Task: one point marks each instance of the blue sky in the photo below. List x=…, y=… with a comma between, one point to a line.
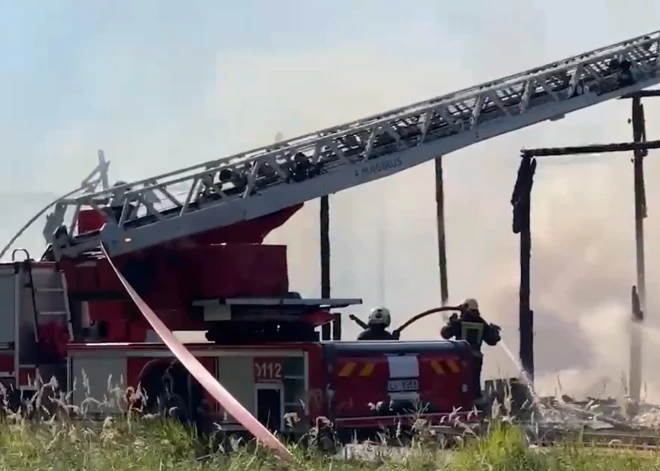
x=161, y=84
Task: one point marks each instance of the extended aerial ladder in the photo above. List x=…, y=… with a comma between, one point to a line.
x=262, y=181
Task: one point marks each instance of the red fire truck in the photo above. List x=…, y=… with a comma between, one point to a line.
x=190, y=242
x=72, y=319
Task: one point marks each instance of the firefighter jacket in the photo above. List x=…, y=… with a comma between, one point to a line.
x=376, y=333
x=472, y=328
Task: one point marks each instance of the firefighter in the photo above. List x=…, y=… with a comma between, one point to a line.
x=379, y=321
x=471, y=327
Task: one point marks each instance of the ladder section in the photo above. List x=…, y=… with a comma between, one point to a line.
x=50, y=298
x=262, y=181
x=36, y=301
x=50, y=294
x=45, y=325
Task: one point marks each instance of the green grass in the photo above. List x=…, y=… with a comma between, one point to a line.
x=161, y=445
x=55, y=442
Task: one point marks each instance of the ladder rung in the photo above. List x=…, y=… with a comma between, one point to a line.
x=52, y=313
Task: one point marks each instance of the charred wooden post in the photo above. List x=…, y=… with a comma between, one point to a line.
x=522, y=204
x=380, y=257
x=442, y=244
x=637, y=312
x=336, y=326
x=643, y=94
x=324, y=226
x=639, y=136
x=591, y=149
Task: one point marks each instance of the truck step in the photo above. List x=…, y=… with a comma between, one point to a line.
x=53, y=313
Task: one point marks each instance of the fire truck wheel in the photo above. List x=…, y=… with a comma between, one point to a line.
x=23, y=402
x=12, y=401
x=324, y=439
x=170, y=392
x=173, y=406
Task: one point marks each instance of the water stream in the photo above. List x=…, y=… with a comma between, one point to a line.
x=536, y=401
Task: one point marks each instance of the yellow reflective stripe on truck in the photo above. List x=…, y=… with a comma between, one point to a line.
x=448, y=366
x=365, y=370
x=346, y=370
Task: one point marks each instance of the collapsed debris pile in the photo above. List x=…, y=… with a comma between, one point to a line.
x=608, y=422
x=600, y=413
x=566, y=413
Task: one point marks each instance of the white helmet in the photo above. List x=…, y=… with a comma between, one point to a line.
x=470, y=304
x=380, y=316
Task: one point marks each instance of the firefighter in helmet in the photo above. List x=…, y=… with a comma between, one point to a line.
x=379, y=321
x=472, y=328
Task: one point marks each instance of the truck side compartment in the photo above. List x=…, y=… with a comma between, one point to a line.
x=270, y=382
x=9, y=303
x=374, y=380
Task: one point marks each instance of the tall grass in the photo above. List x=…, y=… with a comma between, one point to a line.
x=162, y=445
x=55, y=441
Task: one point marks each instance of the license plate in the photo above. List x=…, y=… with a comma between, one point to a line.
x=400, y=385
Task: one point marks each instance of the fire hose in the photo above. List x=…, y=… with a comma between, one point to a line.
x=202, y=375
x=397, y=332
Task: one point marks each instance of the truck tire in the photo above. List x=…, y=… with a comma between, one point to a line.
x=165, y=385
